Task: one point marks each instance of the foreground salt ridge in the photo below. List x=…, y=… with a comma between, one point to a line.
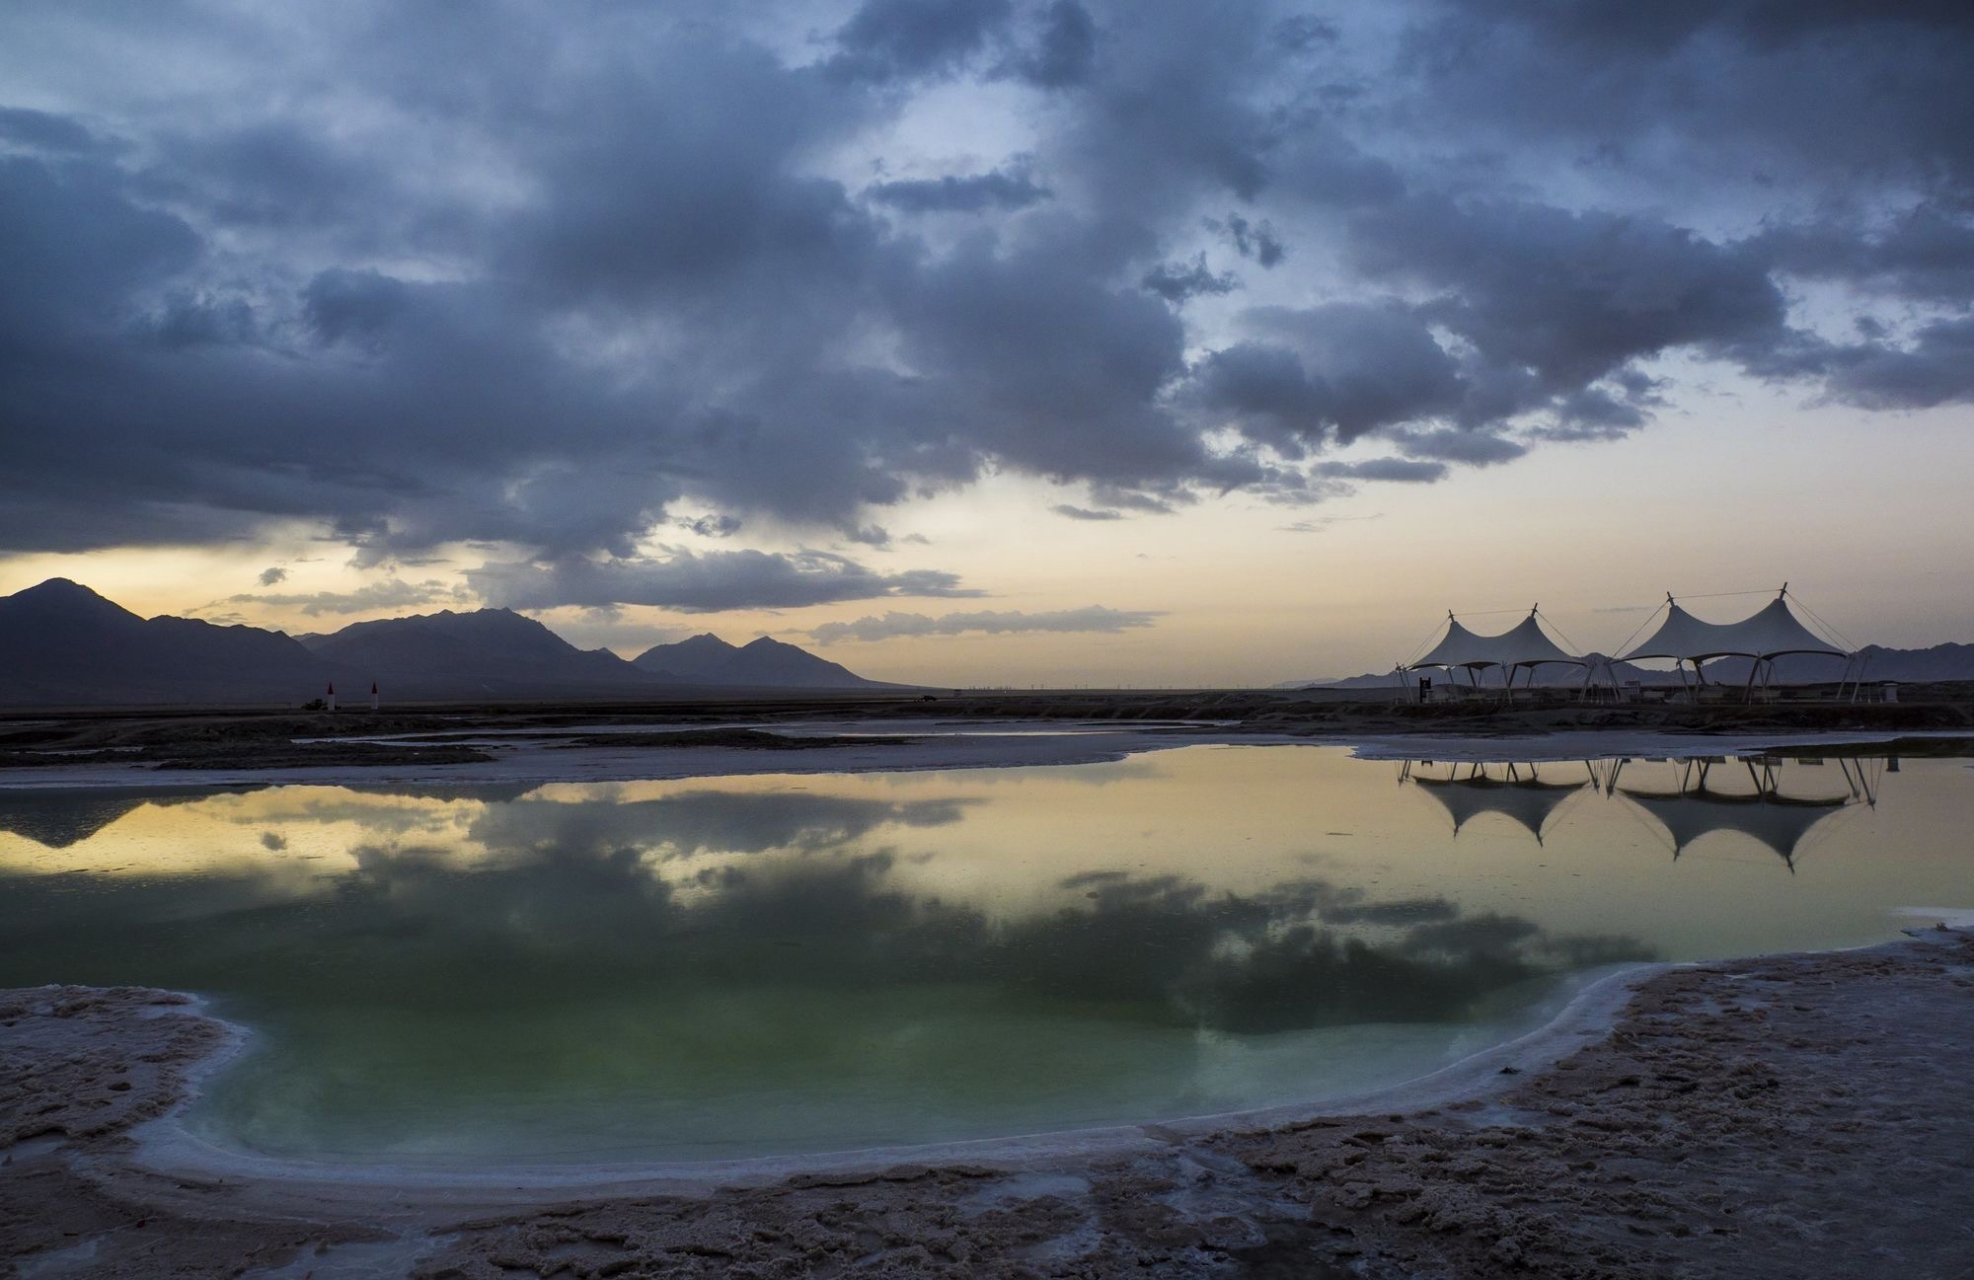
x=1735, y=1115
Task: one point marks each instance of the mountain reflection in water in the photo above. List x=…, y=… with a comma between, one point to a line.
x=891, y=957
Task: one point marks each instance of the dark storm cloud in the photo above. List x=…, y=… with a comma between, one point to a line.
x=279, y=175
x=1592, y=414
x=1175, y=112
x=391, y=593
x=997, y=189
x=355, y=398
x=1476, y=448
x=1925, y=253
x=352, y=305
x=710, y=526
x=74, y=249
x=1936, y=367
x=702, y=583
x=1333, y=372
x=895, y=39
x=42, y=131
x=550, y=282
x=1403, y=470
x=1548, y=311
x=1823, y=95
x=1251, y=241
x=1056, y=370
x=1611, y=26
x=1071, y=511
x=1571, y=296
x=1177, y=282
x=1064, y=53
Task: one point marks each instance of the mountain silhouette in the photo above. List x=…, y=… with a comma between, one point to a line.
x=62, y=644
x=485, y=653
x=763, y=663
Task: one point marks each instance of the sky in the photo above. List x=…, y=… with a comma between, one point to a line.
x=1020, y=342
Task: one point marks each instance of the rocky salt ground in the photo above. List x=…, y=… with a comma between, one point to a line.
x=1783, y=1117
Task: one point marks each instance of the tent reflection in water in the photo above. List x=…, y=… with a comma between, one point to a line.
x=1681, y=802
x=1780, y=822
x=1518, y=650
x=1516, y=791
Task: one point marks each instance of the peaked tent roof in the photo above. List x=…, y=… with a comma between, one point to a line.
x=1521, y=646
x=1770, y=632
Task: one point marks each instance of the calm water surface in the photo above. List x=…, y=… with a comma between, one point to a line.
x=735, y=966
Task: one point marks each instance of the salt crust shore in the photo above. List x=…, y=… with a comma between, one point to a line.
x=933, y=745
x=1796, y=1115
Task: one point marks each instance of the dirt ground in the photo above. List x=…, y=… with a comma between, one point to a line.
x=193, y=737
x=1781, y=1117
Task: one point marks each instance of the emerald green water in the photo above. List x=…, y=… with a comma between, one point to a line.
x=739, y=966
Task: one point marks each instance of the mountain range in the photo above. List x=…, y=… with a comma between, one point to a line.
x=62, y=644
x=766, y=662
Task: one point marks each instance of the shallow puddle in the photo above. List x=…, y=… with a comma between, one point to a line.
x=736, y=966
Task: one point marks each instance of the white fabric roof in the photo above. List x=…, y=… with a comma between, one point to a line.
x=1768, y=633
x=1521, y=646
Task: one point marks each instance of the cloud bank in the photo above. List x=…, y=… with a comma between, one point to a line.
x=544, y=280
x=696, y=583
x=891, y=626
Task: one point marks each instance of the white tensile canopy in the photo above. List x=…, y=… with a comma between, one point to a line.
x=1524, y=646
x=1769, y=633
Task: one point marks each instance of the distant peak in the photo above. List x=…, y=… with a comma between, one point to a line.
x=68, y=596
x=471, y=615
x=54, y=587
